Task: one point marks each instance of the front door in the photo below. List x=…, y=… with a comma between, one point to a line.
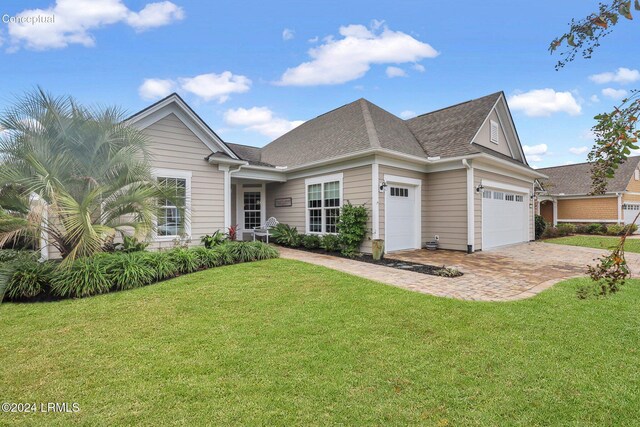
x=250, y=207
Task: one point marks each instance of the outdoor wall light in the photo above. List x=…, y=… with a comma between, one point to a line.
x=479, y=188
x=382, y=186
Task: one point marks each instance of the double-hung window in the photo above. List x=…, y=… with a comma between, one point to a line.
x=173, y=209
x=324, y=199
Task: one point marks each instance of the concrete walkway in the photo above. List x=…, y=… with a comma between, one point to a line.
x=506, y=274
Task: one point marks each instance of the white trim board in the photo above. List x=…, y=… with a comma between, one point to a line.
x=587, y=220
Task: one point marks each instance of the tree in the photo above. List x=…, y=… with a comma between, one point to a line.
x=616, y=132
x=73, y=175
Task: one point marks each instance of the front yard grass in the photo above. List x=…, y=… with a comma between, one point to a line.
x=281, y=342
x=598, y=242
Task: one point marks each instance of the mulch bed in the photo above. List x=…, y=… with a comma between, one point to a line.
x=432, y=270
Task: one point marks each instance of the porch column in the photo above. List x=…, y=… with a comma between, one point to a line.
x=227, y=195
x=619, y=208
x=375, y=201
x=555, y=212
x=471, y=217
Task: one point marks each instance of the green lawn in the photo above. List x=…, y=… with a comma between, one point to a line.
x=605, y=242
x=281, y=342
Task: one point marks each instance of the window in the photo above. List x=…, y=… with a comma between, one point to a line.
x=486, y=194
x=498, y=195
x=510, y=197
x=252, y=217
x=494, y=132
x=519, y=198
x=631, y=207
x=324, y=199
x=171, y=211
x=399, y=192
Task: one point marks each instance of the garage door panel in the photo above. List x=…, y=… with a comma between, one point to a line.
x=504, y=218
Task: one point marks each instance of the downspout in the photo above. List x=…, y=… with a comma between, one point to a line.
x=470, y=206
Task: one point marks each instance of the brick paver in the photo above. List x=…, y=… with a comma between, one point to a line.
x=510, y=273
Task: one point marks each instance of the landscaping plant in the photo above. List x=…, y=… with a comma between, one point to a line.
x=232, y=233
x=215, y=239
x=82, y=278
x=126, y=271
x=285, y=235
x=540, y=225
x=352, y=228
x=25, y=277
x=311, y=241
x=330, y=243
x=186, y=260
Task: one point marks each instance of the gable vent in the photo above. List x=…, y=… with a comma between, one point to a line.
x=494, y=132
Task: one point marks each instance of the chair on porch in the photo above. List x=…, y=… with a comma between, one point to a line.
x=263, y=230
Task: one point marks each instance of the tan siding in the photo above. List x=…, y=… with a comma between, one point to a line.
x=589, y=209
x=478, y=176
x=445, y=212
x=382, y=170
x=356, y=185
x=174, y=146
x=631, y=198
x=484, y=136
x=633, y=187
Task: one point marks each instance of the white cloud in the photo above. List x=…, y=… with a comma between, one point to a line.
x=156, y=88
x=215, y=86
x=614, y=93
x=395, y=72
x=407, y=114
x=75, y=20
x=594, y=98
x=578, y=150
x=544, y=102
x=535, y=153
x=350, y=57
x=260, y=119
x=622, y=75
x=314, y=39
x=419, y=67
x=288, y=34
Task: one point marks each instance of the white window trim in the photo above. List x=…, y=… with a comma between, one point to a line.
x=240, y=204
x=321, y=180
x=417, y=184
x=495, y=125
x=180, y=174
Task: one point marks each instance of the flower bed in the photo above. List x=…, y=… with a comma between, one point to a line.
x=23, y=278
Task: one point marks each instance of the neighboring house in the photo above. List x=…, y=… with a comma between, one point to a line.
x=458, y=173
x=565, y=195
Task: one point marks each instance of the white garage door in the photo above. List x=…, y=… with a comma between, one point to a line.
x=504, y=218
x=401, y=222
x=630, y=211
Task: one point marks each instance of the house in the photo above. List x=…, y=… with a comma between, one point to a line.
x=565, y=195
x=458, y=174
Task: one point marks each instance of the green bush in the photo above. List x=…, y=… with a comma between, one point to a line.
x=161, y=263
x=614, y=229
x=596, y=229
x=550, y=232
x=330, y=243
x=582, y=228
x=285, y=235
x=131, y=244
x=633, y=228
x=264, y=251
x=311, y=241
x=85, y=277
x=10, y=254
x=185, y=260
x=211, y=240
x=565, y=229
x=223, y=253
x=540, y=225
x=243, y=252
x=352, y=228
x=128, y=271
x=25, y=277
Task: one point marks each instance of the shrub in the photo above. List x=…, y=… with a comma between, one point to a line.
x=285, y=235
x=633, y=228
x=131, y=244
x=10, y=254
x=160, y=262
x=185, y=260
x=84, y=277
x=311, y=241
x=330, y=243
x=565, y=229
x=215, y=239
x=207, y=258
x=127, y=271
x=243, y=252
x=264, y=251
x=550, y=232
x=540, y=226
x=614, y=229
x=352, y=227
x=596, y=229
x=582, y=228
x=223, y=253
x=25, y=277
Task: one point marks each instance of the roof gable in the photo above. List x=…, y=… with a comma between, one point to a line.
x=174, y=104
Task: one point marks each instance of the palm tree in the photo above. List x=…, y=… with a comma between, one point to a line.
x=73, y=175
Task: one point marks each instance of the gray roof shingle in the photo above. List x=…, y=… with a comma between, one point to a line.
x=576, y=179
x=248, y=153
x=448, y=132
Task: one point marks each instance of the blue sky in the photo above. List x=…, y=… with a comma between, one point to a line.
x=246, y=68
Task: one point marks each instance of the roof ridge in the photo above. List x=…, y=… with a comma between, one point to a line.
x=374, y=141
x=582, y=163
x=454, y=105
x=244, y=145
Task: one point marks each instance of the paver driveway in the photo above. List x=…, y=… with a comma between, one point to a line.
x=510, y=273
